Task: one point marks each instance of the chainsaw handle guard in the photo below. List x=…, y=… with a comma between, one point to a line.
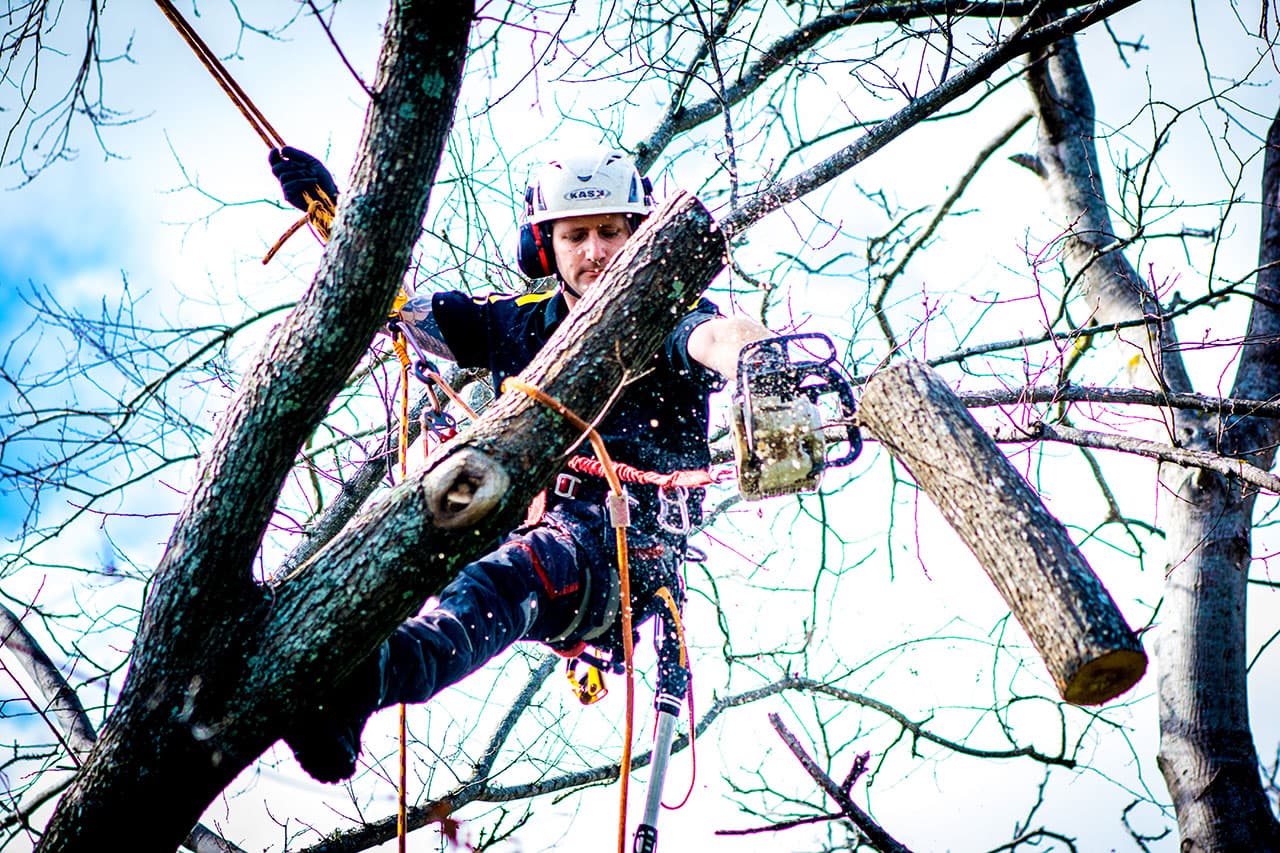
x=848, y=407
x=775, y=357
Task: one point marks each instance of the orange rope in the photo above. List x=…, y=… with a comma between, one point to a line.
x=220, y=74
x=453, y=395
x=624, y=579
x=689, y=479
x=320, y=207
x=402, y=825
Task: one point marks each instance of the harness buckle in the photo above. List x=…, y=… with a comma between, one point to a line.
x=566, y=486
x=673, y=509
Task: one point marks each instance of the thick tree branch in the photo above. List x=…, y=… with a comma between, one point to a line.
x=1068, y=157
x=70, y=723
x=1259, y=372
x=182, y=694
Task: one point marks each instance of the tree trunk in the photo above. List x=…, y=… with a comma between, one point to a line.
x=1207, y=754
x=1089, y=650
x=181, y=732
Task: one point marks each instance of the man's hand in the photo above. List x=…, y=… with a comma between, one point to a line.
x=298, y=173
x=717, y=343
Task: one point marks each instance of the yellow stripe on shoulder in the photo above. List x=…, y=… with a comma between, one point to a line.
x=530, y=298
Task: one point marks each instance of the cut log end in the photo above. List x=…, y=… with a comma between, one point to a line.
x=463, y=488
x=1104, y=678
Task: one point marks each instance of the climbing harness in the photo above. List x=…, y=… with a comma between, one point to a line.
x=668, y=705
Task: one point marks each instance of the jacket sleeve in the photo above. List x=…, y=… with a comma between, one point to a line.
x=676, y=347
x=421, y=325
x=463, y=324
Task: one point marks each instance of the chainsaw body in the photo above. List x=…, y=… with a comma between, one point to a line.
x=785, y=386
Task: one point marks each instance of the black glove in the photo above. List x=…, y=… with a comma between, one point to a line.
x=298, y=172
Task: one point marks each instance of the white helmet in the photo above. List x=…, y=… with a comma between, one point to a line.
x=595, y=181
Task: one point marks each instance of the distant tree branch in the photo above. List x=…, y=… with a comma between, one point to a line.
x=479, y=789
x=876, y=835
x=1069, y=392
x=783, y=51
x=1023, y=40
x=1225, y=465
x=922, y=237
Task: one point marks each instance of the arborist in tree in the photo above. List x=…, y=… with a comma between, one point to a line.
x=553, y=580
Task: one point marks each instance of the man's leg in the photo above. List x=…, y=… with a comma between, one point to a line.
x=530, y=583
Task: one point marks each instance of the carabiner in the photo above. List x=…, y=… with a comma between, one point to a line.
x=677, y=507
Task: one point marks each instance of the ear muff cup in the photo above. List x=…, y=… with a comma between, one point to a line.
x=533, y=251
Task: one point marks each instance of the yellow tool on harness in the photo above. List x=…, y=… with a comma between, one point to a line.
x=588, y=686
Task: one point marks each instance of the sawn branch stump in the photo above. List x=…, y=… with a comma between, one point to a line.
x=1088, y=648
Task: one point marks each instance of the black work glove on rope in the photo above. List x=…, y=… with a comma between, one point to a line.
x=298, y=172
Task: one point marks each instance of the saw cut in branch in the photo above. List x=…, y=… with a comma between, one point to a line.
x=1090, y=651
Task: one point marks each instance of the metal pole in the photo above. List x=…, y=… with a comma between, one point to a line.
x=646, y=838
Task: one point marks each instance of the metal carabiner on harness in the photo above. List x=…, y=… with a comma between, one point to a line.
x=673, y=510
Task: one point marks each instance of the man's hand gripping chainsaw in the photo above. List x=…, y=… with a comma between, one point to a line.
x=781, y=444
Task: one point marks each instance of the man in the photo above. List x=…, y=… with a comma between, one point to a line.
x=553, y=580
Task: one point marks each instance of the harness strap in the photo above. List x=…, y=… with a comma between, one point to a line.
x=619, y=521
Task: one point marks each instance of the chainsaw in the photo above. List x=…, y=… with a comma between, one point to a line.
x=780, y=442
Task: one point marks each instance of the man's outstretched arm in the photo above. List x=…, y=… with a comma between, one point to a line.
x=717, y=342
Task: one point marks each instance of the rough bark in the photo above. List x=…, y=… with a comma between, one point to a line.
x=1207, y=753
x=378, y=571
x=163, y=755
x=1068, y=160
x=1088, y=648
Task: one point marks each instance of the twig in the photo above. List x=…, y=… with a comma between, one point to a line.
x=1069, y=392
x=886, y=280
x=877, y=837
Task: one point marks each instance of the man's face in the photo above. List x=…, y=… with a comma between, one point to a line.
x=583, y=246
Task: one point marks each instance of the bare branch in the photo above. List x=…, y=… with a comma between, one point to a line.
x=877, y=837
x=1237, y=468
x=1023, y=40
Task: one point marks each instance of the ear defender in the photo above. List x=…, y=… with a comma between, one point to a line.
x=533, y=247
x=533, y=253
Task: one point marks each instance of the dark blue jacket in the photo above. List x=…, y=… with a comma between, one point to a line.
x=658, y=424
